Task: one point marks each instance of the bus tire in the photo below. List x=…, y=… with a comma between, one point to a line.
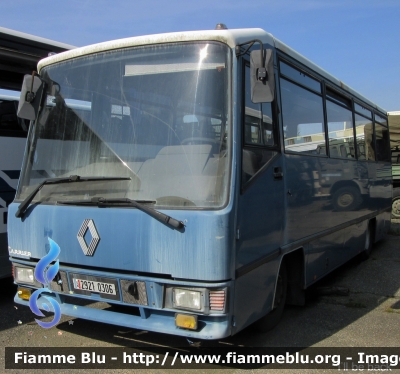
x=369, y=241
x=346, y=198
x=269, y=321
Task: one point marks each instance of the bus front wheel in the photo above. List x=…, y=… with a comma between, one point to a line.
x=269, y=321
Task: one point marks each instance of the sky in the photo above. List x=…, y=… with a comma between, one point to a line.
x=357, y=41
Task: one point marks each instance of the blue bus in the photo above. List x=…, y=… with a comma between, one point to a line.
x=195, y=182
x=19, y=55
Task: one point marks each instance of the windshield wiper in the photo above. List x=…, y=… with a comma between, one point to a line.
x=125, y=202
x=73, y=178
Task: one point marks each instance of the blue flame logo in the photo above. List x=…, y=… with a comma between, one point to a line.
x=45, y=274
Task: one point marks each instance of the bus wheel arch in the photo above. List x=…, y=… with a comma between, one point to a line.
x=295, y=266
x=269, y=321
x=289, y=289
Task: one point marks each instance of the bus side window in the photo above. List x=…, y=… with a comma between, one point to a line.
x=364, y=138
x=258, y=133
x=340, y=125
x=303, y=119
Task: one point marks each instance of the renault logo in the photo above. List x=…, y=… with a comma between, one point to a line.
x=88, y=250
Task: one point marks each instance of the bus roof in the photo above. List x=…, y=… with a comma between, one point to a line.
x=231, y=37
x=20, y=53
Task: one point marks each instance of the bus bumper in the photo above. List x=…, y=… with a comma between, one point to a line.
x=210, y=327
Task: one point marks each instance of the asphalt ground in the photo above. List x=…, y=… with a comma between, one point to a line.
x=368, y=316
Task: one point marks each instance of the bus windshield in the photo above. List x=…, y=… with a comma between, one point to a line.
x=156, y=115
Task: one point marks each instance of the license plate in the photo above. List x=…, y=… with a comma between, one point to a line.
x=94, y=286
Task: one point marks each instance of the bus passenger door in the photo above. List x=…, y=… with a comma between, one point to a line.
x=260, y=211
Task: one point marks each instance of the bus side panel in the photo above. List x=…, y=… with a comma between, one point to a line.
x=309, y=211
x=355, y=239
x=318, y=190
x=381, y=195
x=325, y=254
x=322, y=255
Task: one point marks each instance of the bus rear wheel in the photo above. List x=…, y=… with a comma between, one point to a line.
x=269, y=321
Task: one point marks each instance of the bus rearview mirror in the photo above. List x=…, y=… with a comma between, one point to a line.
x=262, y=76
x=29, y=101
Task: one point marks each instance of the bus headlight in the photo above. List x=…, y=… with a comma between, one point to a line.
x=24, y=275
x=188, y=299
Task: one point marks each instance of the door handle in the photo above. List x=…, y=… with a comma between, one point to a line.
x=278, y=173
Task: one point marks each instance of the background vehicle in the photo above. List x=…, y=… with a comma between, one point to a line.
x=394, y=128
x=19, y=55
x=345, y=187
x=178, y=174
